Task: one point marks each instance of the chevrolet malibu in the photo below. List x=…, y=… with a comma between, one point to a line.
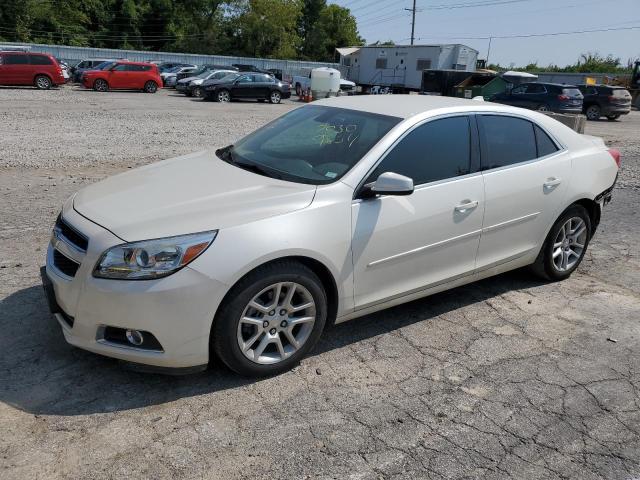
x=335, y=210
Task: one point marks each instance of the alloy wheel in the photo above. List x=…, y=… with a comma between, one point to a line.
x=569, y=244
x=43, y=83
x=224, y=96
x=275, y=97
x=276, y=323
x=101, y=85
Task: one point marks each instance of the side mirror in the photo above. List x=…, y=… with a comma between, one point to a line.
x=388, y=183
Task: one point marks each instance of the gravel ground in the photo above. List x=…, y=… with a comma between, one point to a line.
x=505, y=378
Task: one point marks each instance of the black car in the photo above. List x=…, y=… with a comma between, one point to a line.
x=605, y=101
x=245, y=85
x=544, y=97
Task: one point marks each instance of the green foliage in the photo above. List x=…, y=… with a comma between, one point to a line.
x=308, y=29
x=587, y=63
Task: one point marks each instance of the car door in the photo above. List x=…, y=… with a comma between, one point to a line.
x=526, y=174
x=518, y=96
x=403, y=244
x=263, y=84
x=117, y=76
x=242, y=87
x=536, y=96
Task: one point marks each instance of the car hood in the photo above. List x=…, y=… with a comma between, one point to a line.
x=187, y=80
x=188, y=194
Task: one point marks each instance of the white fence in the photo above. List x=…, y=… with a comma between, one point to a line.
x=75, y=54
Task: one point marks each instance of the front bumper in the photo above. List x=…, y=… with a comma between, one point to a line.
x=178, y=310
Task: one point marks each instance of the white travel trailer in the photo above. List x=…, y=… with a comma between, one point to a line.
x=400, y=66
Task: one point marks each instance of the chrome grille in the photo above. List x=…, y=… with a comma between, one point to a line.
x=74, y=237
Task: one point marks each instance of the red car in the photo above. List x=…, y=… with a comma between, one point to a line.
x=124, y=75
x=25, y=68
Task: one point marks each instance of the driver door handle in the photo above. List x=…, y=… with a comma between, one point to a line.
x=466, y=205
x=552, y=182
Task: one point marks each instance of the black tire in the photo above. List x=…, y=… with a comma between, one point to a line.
x=543, y=107
x=42, y=82
x=544, y=266
x=613, y=118
x=593, y=112
x=100, y=85
x=150, y=87
x=196, y=92
x=298, y=90
x=224, y=340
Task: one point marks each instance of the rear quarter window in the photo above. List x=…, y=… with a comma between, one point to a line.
x=544, y=144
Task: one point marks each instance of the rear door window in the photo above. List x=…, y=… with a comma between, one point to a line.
x=436, y=150
x=40, y=60
x=506, y=141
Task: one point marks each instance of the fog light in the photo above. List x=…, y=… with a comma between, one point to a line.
x=134, y=337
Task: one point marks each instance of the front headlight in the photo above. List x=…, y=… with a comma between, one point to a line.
x=149, y=259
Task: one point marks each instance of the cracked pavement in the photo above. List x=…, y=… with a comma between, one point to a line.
x=506, y=378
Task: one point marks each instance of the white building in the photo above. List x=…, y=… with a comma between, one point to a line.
x=401, y=66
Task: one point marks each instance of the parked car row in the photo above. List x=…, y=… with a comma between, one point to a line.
x=225, y=83
x=595, y=101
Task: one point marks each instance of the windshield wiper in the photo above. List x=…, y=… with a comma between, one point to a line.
x=225, y=154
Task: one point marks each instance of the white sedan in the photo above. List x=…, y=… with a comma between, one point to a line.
x=335, y=210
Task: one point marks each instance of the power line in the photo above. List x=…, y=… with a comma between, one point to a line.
x=530, y=35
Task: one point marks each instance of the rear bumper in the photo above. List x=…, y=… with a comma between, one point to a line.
x=616, y=110
x=569, y=110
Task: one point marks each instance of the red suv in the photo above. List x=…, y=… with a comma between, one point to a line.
x=26, y=68
x=124, y=75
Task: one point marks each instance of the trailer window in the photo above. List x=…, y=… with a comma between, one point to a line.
x=381, y=63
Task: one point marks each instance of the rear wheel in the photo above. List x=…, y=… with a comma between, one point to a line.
x=565, y=245
x=593, y=112
x=151, y=87
x=197, y=92
x=275, y=97
x=270, y=319
x=223, y=96
x=298, y=90
x=42, y=82
x=100, y=85
x=544, y=108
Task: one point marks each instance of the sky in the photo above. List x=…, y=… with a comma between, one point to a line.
x=450, y=21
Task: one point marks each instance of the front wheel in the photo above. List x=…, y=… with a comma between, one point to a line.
x=100, y=85
x=150, y=87
x=270, y=319
x=593, y=112
x=275, y=97
x=565, y=246
x=42, y=82
x=197, y=92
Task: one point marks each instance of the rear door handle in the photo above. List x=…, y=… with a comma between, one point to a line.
x=552, y=182
x=467, y=205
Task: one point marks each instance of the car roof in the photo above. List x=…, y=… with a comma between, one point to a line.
x=561, y=85
x=406, y=106
x=128, y=62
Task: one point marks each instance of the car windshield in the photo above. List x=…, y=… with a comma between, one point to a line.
x=203, y=74
x=313, y=144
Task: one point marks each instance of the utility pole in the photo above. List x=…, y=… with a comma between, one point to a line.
x=413, y=21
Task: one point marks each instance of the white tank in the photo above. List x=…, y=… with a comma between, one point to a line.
x=325, y=82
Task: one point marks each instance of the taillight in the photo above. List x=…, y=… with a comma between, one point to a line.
x=563, y=98
x=615, y=153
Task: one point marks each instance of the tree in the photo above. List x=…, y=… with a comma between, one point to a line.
x=339, y=29
x=268, y=28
